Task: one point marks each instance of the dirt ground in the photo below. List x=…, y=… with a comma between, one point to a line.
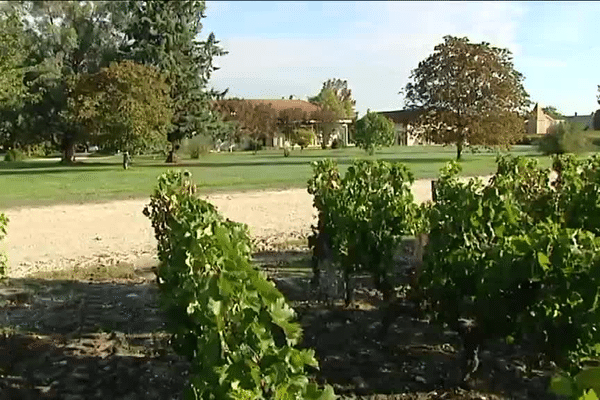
x=106, y=340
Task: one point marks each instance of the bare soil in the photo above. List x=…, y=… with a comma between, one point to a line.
x=106, y=340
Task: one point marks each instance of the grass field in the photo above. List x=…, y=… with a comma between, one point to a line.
x=45, y=181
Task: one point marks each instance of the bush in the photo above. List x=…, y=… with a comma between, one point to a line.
x=304, y=137
x=363, y=217
x=520, y=256
x=373, y=131
x=335, y=144
x=197, y=150
x=564, y=138
x=529, y=139
x=14, y=155
x=226, y=317
x=3, y=259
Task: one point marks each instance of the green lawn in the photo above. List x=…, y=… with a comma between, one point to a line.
x=42, y=181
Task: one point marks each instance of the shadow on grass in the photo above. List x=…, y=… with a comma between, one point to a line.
x=290, y=161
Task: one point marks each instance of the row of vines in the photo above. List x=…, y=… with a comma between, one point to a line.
x=519, y=255
x=233, y=325
x=3, y=259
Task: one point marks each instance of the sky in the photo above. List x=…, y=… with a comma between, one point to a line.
x=278, y=49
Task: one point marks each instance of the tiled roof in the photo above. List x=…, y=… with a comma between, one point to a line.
x=585, y=120
x=283, y=104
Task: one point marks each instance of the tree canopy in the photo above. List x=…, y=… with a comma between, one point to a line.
x=125, y=106
x=553, y=112
x=67, y=38
x=374, y=130
x=336, y=103
x=164, y=34
x=471, y=95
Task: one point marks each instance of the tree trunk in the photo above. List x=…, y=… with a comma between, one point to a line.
x=68, y=151
x=459, y=149
x=172, y=157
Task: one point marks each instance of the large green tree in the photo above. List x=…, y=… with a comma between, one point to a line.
x=68, y=38
x=471, y=95
x=125, y=106
x=335, y=103
x=13, y=45
x=165, y=34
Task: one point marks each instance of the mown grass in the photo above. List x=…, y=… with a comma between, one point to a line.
x=96, y=179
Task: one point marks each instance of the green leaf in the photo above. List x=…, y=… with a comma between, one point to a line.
x=543, y=259
x=589, y=395
x=589, y=378
x=561, y=385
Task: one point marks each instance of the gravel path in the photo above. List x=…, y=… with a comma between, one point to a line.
x=61, y=236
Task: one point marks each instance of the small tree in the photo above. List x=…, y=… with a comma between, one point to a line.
x=374, y=130
x=290, y=120
x=564, y=138
x=335, y=102
x=471, y=95
x=303, y=137
x=126, y=105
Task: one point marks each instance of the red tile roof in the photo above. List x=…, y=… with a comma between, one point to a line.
x=283, y=104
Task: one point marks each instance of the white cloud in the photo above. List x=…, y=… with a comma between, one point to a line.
x=375, y=52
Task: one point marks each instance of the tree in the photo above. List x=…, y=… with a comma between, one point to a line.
x=258, y=121
x=374, y=130
x=553, y=112
x=13, y=43
x=163, y=34
x=303, y=137
x=471, y=95
x=68, y=38
x=12, y=58
x=565, y=137
x=335, y=101
x=290, y=120
x=126, y=106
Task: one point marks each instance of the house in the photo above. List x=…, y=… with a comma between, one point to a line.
x=341, y=131
x=405, y=121
x=587, y=121
x=540, y=122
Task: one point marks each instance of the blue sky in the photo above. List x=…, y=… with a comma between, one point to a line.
x=287, y=48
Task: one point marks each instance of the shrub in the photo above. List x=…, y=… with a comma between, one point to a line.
x=197, y=150
x=564, y=138
x=529, y=139
x=363, y=217
x=233, y=325
x=520, y=256
x=304, y=137
x=335, y=144
x=3, y=259
x=373, y=131
x=14, y=155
